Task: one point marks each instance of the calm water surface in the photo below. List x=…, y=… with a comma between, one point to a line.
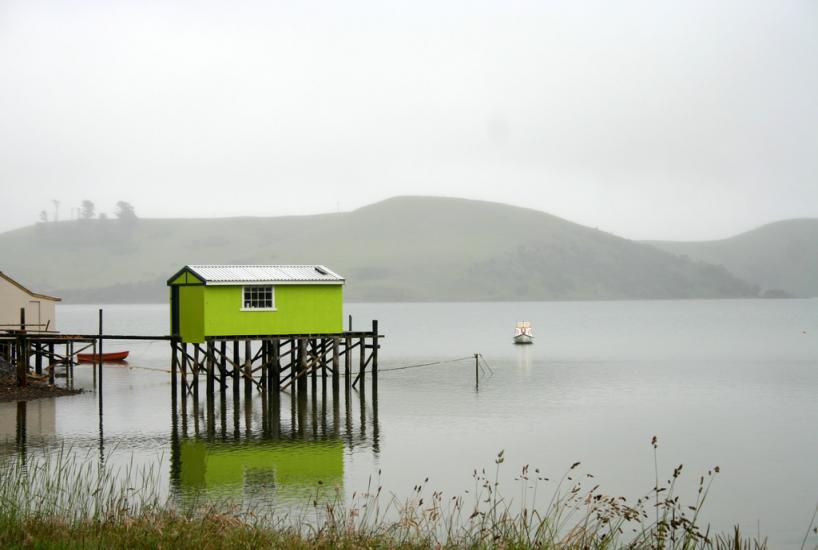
x=728, y=383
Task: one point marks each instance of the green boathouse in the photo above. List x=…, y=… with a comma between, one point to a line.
x=222, y=301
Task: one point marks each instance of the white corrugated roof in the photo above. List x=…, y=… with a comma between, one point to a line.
x=229, y=274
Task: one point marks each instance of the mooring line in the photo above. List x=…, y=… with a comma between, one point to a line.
x=427, y=364
x=483, y=365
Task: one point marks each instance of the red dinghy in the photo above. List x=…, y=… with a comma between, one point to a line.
x=105, y=357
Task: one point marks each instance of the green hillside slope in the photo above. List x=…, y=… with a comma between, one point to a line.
x=407, y=248
x=777, y=256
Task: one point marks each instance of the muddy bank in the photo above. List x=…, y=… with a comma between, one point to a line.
x=35, y=389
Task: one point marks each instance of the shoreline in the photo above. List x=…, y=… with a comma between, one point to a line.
x=10, y=392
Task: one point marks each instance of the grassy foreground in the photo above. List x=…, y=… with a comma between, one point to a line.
x=64, y=502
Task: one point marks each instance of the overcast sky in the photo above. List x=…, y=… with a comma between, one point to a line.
x=653, y=119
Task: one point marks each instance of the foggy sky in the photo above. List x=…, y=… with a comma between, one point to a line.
x=667, y=120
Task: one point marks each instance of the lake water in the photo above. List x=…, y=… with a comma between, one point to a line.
x=728, y=383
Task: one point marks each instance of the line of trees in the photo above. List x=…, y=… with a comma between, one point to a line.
x=125, y=211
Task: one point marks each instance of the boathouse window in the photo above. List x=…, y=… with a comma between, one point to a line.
x=258, y=297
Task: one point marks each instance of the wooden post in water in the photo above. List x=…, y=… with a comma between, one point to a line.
x=51, y=364
x=99, y=351
x=265, y=358
x=476, y=371
x=184, y=372
x=195, y=372
x=347, y=362
x=302, y=365
x=335, y=365
x=174, y=367
x=38, y=358
x=210, y=371
x=275, y=376
x=362, y=361
x=69, y=368
x=316, y=364
x=324, y=358
x=223, y=368
x=236, y=365
x=22, y=351
x=375, y=345
x=248, y=367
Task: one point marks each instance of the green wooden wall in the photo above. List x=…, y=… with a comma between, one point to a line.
x=216, y=311
x=299, y=309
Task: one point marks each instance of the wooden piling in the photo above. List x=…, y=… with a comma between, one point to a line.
x=174, y=368
x=361, y=361
x=195, y=372
x=302, y=365
x=99, y=351
x=275, y=378
x=236, y=365
x=265, y=359
x=51, y=364
x=22, y=348
x=347, y=362
x=223, y=368
x=185, y=387
x=335, y=365
x=38, y=358
x=375, y=346
x=248, y=367
x=210, y=380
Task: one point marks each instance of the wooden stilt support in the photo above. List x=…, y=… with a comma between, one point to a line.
x=99, y=350
x=347, y=362
x=236, y=365
x=195, y=381
x=38, y=358
x=265, y=359
x=335, y=365
x=51, y=364
x=210, y=380
x=185, y=387
x=375, y=346
x=22, y=351
x=302, y=366
x=361, y=362
x=223, y=368
x=174, y=368
x=275, y=377
x=248, y=367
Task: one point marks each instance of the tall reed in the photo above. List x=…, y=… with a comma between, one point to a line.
x=56, y=500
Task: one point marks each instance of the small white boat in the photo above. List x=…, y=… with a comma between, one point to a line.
x=523, y=333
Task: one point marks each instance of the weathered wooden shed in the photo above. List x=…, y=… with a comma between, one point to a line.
x=223, y=301
x=39, y=307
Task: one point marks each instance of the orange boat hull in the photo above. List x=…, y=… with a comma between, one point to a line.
x=96, y=357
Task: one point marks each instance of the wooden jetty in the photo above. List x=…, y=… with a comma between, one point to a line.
x=263, y=363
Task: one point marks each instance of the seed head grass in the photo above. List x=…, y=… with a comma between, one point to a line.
x=64, y=501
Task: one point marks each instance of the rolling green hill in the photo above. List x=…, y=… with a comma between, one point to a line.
x=402, y=249
x=777, y=256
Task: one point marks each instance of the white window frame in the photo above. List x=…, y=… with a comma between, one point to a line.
x=251, y=308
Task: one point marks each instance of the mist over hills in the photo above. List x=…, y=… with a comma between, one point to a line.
x=401, y=249
x=780, y=256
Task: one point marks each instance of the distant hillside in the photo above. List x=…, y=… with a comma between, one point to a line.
x=778, y=256
x=402, y=249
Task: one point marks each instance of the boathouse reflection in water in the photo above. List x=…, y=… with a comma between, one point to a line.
x=274, y=451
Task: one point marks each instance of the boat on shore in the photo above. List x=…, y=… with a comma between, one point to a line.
x=523, y=333
x=114, y=356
